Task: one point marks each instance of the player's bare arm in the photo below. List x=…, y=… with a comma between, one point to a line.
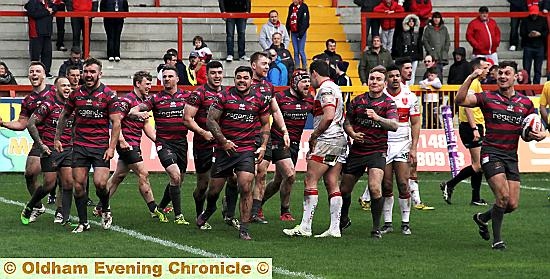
x=462, y=98
x=61, y=124
x=189, y=113
x=213, y=117
x=350, y=132
x=115, y=133
x=265, y=133
x=33, y=131
x=139, y=111
x=387, y=124
x=415, y=134
x=279, y=121
x=17, y=125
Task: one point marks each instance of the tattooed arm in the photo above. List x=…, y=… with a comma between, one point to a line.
x=33, y=131
x=61, y=124
x=213, y=117
x=265, y=133
x=189, y=121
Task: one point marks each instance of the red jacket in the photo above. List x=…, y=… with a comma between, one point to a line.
x=388, y=24
x=423, y=9
x=82, y=5
x=484, y=37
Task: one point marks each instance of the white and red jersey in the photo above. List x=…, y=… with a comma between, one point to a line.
x=407, y=107
x=329, y=94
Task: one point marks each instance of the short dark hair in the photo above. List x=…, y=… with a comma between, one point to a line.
x=35, y=63
x=213, y=64
x=173, y=51
x=402, y=61
x=71, y=68
x=58, y=78
x=273, y=11
x=432, y=70
x=393, y=67
x=90, y=61
x=256, y=56
x=76, y=50
x=511, y=64
x=241, y=69
x=167, y=56
x=437, y=15
x=329, y=41
x=476, y=62
x=483, y=9
x=198, y=38
x=139, y=75
x=320, y=67
x=170, y=68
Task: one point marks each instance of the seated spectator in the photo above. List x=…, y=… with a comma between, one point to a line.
x=282, y=52
x=330, y=56
x=431, y=101
x=432, y=81
x=523, y=78
x=75, y=58
x=179, y=66
x=205, y=54
x=169, y=60
x=430, y=62
x=6, y=77
x=273, y=26
x=278, y=73
x=342, y=79
x=196, y=71
x=460, y=70
x=372, y=57
x=388, y=25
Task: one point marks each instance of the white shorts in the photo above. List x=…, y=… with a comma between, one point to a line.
x=398, y=151
x=329, y=153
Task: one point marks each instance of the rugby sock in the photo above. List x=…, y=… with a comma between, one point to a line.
x=311, y=198
x=476, y=186
x=66, y=203
x=81, y=209
x=346, y=203
x=152, y=205
x=413, y=188
x=231, y=197
x=211, y=201
x=37, y=196
x=199, y=204
x=285, y=209
x=366, y=194
x=376, y=211
x=387, y=209
x=165, y=197
x=256, y=205
x=487, y=215
x=175, y=196
x=59, y=193
x=463, y=174
x=103, y=195
x=405, y=206
x=335, y=201
x=497, y=215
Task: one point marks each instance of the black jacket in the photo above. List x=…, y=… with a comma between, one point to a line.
x=459, y=71
x=286, y=58
x=63, y=68
x=303, y=19
x=366, y=5
x=518, y=5
x=8, y=78
x=109, y=6
x=527, y=25
x=234, y=6
x=40, y=19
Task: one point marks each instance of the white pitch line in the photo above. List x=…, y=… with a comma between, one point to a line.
x=171, y=244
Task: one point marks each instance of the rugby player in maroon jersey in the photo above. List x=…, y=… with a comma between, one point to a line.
x=504, y=111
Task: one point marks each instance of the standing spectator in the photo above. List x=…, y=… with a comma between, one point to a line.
x=40, y=13
x=6, y=77
x=370, y=58
x=388, y=25
x=330, y=56
x=533, y=33
x=77, y=23
x=409, y=44
x=460, y=70
x=297, y=23
x=483, y=34
x=235, y=6
x=515, y=6
x=423, y=9
x=436, y=41
x=196, y=71
x=60, y=24
x=273, y=26
x=113, y=26
x=75, y=58
x=278, y=73
x=342, y=79
x=372, y=23
x=283, y=53
x=544, y=6
x=169, y=61
x=205, y=54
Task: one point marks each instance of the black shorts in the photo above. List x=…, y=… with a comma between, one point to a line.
x=226, y=165
x=467, y=135
x=279, y=153
x=35, y=150
x=203, y=159
x=268, y=149
x=173, y=152
x=83, y=157
x=494, y=164
x=56, y=160
x=130, y=156
x=357, y=164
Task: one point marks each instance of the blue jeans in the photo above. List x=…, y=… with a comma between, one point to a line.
x=230, y=24
x=299, y=46
x=530, y=54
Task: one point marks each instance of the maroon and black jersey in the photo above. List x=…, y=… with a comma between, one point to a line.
x=131, y=126
x=92, y=110
x=263, y=87
x=375, y=137
x=33, y=101
x=48, y=114
x=240, y=117
x=168, y=113
x=202, y=98
x=503, y=119
x=295, y=111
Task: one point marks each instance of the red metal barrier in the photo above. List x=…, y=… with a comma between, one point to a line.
x=456, y=16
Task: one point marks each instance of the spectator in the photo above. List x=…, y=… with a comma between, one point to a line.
x=6, y=77
x=432, y=80
x=278, y=73
x=180, y=67
x=169, y=61
x=523, y=78
x=436, y=41
x=196, y=71
x=430, y=62
x=60, y=24
x=40, y=13
x=372, y=23
x=297, y=23
x=431, y=101
x=544, y=6
x=342, y=79
x=388, y=25
x=515, y=6
x=235, y=6
x=533, y=33
x=283, y=53
x=113, y=26
x=205, y=54
x=492, y=76
x=273, y=26
x=483, y=35
x=77, y=23
x=372, y=57
x=75, y=58
x=423, y=9
x=330, y=56
x=461, y=69
x=409, y=43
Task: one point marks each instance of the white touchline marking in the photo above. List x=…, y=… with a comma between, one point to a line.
x=522, y=186
x=171, y=244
